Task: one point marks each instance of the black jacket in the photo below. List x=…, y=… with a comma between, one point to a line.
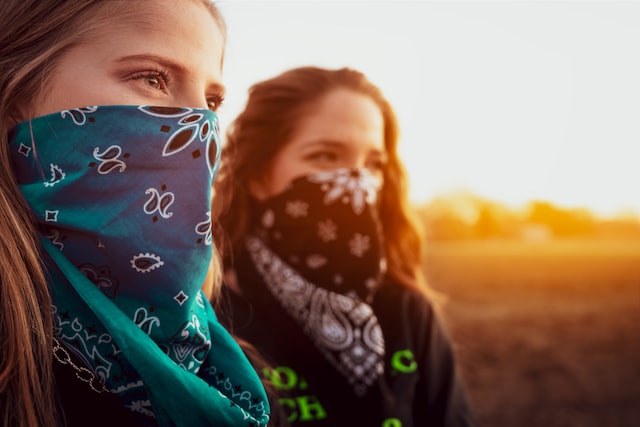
x=80, y=406
x=421, y=385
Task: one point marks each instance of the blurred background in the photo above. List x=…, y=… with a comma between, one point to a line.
x=519, y=127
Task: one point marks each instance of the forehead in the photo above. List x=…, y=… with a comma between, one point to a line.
x=185, y=28
x=343, y=115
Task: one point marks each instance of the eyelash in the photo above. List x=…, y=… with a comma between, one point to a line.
x=379, y=164
x=322, y=153
x=163, y=77
x=160, y=73
x=216, y=100
x=325, y=156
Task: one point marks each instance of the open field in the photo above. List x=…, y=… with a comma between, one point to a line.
x=547, y=334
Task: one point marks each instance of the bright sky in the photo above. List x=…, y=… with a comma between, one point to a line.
x=512, y=100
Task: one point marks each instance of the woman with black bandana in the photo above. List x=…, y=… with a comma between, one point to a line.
x=325, y=274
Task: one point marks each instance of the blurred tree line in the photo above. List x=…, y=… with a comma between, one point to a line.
x=464, y=216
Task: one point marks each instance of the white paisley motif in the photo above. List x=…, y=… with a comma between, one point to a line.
x=109, y=159
x=57, y=175
x=144, y=263
x=54, y=237
x=145, y=321
x=165, y=112
x=159, y=203
x=343, y=184
x=204, y=229
x=79, y=115
x=345, y=329
x=90, y=348
x=191, y=126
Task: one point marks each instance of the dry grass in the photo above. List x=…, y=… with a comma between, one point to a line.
x=547, y=334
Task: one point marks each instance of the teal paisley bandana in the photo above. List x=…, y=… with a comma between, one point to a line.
x=122, y=197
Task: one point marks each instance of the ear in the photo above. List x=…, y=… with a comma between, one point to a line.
x=16, y=116
x=12, y=121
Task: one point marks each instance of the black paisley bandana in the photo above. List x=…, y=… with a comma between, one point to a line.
x=319, y=249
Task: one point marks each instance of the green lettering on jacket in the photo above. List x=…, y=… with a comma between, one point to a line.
x=404, y=361
x=303, y=408
x=298, y=408
x=283, y=378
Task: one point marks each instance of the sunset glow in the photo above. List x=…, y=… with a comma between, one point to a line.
x=513, y=101
x=520, y=122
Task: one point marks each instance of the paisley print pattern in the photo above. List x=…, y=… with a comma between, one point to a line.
x=79, y=115
x=144, y=263
x=189, y=127
x=319, y=249
x=57, y=175
x=101, y=277
x=343, y=328
x=109, y=160
x=159, y=203
x=204, y=229
x=126, y=207
x=358, y=188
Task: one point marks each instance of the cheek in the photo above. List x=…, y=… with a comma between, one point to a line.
x=267, y=186
x=276, y=180
x=67, y=90
x=378, y=174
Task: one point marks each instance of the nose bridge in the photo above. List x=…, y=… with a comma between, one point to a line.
x=362, y=161
x=353, y=157
x=351, y=160
x=360, y=156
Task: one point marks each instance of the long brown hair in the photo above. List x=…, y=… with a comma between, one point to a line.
x=35, y=34
x=274, y=109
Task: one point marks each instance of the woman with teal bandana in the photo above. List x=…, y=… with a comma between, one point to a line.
x=110, y=147
x=326, y=254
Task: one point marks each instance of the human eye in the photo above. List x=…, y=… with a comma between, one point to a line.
x=377, y=164
x=323, y=157
x=214, y=102
x=156, y=79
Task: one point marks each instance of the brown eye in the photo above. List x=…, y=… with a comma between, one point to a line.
x=376, y=166
x=154, y=79
x=213, y=103
x=154, y=82
x=324, y=157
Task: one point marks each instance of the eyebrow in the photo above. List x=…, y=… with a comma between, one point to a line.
x=337, y=143
x=333, y=143
x=219, y=88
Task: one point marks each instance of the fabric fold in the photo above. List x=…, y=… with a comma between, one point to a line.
x=122, y=195
x=319, y=249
